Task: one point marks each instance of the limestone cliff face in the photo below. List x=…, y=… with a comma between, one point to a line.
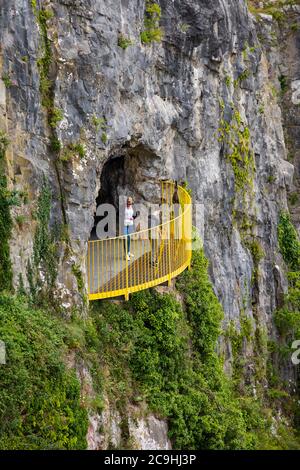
x=164, y=105
x=283, y=57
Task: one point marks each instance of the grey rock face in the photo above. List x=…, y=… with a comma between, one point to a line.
x=149, y=433
x=106, y=430
x=163, y=105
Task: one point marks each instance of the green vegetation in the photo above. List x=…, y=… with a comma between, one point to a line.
x=101, y=125
x=40, y=398
x=160, y=353
x=5, y=234
x=56, y=117
x=186, y=186
x=287, y=319
x=274, y=91
x=271, y=179
x=42, y=270
x=20, y=220
x=80, y=149
x=80, y=281
x=40, y=404
x=72, y=150
x=247, y=49
x=243, y=76
x=157, y=351
x=24, y=197
x=78, y=274
x=6, y=80
x=245, y=52
x=152, y=31
x=148, y=339
x=21, y=291
x=293, y=199
x=256, y=251
x=278, y=16
x=44, y=62
x=273, y=8
x=124, y=42
x=4, y=143
x=283, y=83
x=184, y=27
x=104, y=138
x=236, y=136
x=56, y=145
x=203, y=309
x=257, y=254
x=237, y=337
x=295, y=27
x=288, y=242
x=6, y=200
x=228, y=81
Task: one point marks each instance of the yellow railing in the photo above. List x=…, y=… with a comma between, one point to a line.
x=160, y=253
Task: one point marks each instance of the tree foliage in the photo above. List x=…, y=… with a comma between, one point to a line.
x=40, y=405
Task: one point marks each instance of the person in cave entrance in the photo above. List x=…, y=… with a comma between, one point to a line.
x=175, y=198
x=129, y=217
x=155, y=234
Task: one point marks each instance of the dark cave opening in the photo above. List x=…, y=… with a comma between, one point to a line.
x=131, y=172
x=111, y=180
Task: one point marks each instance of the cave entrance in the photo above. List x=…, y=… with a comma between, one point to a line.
x=112, y=185
x=133, y=172
x=135, y=259
x=126, y=257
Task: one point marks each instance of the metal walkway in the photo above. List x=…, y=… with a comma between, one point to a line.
x=160, y=254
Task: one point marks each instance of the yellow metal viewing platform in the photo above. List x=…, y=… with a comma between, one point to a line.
x=160, y=253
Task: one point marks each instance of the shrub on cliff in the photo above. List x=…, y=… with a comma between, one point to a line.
x=289, y=242
x=40, y=404
x=161, y=353
x=152, y=31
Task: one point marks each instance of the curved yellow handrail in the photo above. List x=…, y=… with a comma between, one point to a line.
x=161, y=253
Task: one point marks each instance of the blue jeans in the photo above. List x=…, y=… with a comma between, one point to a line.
x=128, y=230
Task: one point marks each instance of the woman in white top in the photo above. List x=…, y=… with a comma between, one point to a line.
x=129, y=225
